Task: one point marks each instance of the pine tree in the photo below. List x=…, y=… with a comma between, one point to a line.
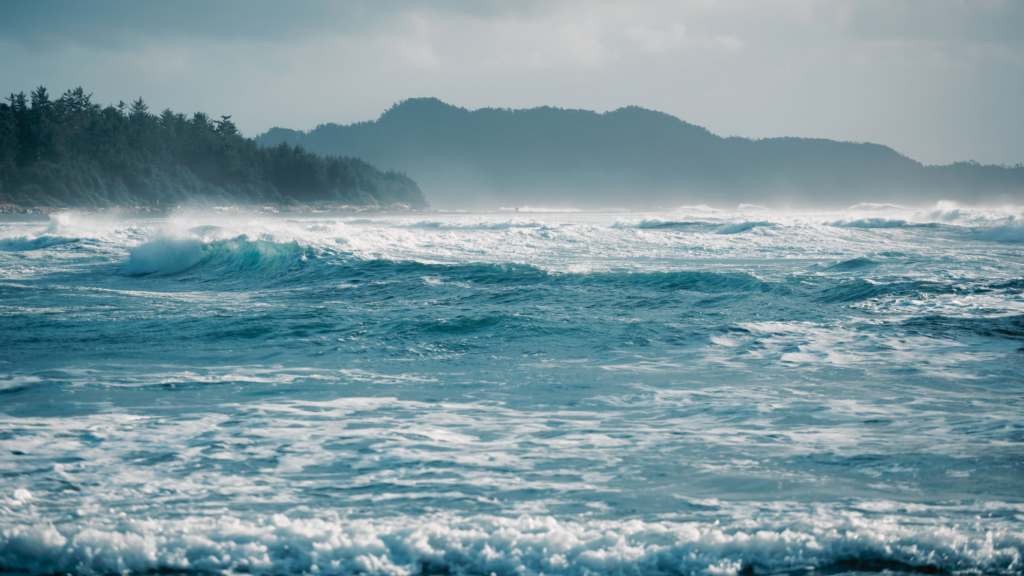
x=71, y=152
x=18, y=102
x=40, y=99
x=226, y=127
x=138, y=108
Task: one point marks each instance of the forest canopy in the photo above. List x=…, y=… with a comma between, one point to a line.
x=71, y=152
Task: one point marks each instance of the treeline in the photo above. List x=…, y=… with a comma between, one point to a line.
x=71, y=152
x=634, y=157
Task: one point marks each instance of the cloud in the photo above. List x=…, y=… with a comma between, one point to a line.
x=110, y=23
x=935, y=79
x=948, y=21
x=657, y=40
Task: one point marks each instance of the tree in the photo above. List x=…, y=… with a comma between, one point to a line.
x=40, y=99
x=138, y=109
x=76, y=100
x=18, y=102
x=71, y=152
x=8, y=145
x=226, y=127
x=200, y=120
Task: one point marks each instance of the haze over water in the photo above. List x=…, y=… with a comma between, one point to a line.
x=688, y=392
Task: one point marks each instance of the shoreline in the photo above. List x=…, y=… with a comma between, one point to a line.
x=269, y=208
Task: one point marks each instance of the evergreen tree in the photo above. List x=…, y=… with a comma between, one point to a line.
x=138, y=108
x=72, y=152
x=40, y=99
x=226, y=127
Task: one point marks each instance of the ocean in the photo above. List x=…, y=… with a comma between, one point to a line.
x=693, y=391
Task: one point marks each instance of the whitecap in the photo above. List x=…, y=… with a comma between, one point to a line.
x=869, y=223
x=865, y=206
x=24, y=243
x=654, y=223
x=164, y=256
x=528, y=544
x=1013, y=231
x=743, y=227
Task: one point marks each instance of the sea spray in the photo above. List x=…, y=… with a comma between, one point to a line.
x=566, y=393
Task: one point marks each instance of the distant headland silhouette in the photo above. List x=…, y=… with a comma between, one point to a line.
x=632, y=157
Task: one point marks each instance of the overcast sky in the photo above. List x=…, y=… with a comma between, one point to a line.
x=938, y=80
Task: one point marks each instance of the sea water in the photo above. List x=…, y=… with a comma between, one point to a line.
x=695, y=391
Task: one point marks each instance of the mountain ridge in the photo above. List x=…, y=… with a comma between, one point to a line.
x=579, y=157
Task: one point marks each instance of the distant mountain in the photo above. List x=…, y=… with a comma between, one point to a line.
x=631, y=157
x=70, y=152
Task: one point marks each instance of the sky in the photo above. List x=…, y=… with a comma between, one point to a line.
x=938, y=80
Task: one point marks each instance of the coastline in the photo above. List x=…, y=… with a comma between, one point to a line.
x=314, y=207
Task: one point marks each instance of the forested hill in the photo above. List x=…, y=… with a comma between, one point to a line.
x=70, y=152
x=632, y=157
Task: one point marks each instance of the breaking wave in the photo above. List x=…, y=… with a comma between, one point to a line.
x=449, y=544
x=854, y=264
x=865, y=206
x=455, y=225
x=743, y=227
x=512, y=400
x=655, y=223
x=870, y=223
x=170, y=256
x=24, y=243
x=1010, y=232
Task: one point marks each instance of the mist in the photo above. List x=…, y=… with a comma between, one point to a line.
x=633, y=158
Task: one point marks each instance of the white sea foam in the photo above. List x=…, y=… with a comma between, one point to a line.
x=1013, y=231
x=11, y=382
x=866, y=206
x=543, y=210
x=164, y=256
x=557, y=242
x=583, y=394
x=22, y=243
x=401, y=546
x=739, y=227
x=870, y=223
x=947, y=211
x=474, y=225
x=651, y=223
x=62, y=228
x=697, y=208
x=554, y=241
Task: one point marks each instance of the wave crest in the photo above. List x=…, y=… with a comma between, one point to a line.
x=500, y=546
x=656, y=223
x=24, y=243
x=456, y=225
x=173, y=255
x=743, y=227
x=869, y=223
x=1013, y=231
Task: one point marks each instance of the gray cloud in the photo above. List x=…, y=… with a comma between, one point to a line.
x=976, y=21
x=938, y=80
x=116, y=22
